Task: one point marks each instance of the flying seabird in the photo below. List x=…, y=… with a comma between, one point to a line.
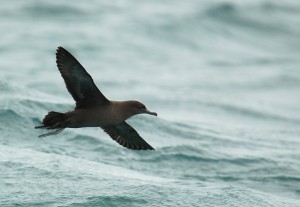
x=93, y=109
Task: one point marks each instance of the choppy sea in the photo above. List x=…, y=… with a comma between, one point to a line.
x=223, y=76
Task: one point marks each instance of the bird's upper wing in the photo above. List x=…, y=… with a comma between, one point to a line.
x=126, y=136
x=79, y=83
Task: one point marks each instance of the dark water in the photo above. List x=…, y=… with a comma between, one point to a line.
x=223, y=76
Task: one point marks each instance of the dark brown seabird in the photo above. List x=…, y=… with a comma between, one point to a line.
x=93, y=109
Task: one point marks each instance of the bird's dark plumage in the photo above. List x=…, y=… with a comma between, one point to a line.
x=78, y=82
x=93, y=109
x=126, y=136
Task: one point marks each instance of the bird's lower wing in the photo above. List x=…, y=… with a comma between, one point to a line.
x=127, y=136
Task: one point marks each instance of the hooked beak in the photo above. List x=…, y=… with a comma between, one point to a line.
x=149, y=112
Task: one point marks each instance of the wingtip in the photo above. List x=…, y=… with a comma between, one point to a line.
x=145, y=148
x=60, y=50
x=137, y=148
x=60, y=55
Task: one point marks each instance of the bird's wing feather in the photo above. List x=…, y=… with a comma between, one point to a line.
x=78, y=82
x=127, y=136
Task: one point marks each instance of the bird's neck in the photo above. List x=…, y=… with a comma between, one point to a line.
x=122, y=110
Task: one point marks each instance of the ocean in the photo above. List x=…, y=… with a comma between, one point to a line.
x=223, y=77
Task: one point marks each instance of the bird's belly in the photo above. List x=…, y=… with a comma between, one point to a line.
x=89, y=118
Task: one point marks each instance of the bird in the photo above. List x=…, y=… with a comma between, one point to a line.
x=92, y=108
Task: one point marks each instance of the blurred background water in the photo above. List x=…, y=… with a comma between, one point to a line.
x=223, y=76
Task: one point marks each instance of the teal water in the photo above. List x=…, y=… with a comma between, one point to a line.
x=223, y=76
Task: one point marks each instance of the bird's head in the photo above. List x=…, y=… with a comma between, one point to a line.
x=136, y=107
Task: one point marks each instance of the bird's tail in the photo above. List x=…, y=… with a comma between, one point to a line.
x=53, y=120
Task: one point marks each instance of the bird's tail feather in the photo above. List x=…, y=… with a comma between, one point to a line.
x=53, y=120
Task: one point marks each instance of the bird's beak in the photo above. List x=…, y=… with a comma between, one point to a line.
x=149, y=112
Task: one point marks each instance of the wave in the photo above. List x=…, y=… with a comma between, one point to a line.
x=103, y=184
x=255, y=113
x=53, y=10
x=111, y=200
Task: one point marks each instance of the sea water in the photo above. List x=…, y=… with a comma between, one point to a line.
x=223, y=77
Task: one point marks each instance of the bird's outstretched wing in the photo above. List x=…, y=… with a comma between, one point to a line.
x=126, y=136
x=78, y=82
